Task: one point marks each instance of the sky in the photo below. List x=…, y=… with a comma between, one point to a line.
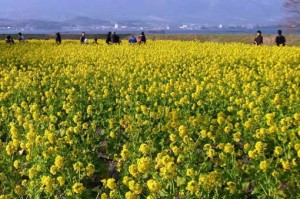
x=194, y=11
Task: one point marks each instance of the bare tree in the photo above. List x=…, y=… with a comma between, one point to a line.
x=292, y=8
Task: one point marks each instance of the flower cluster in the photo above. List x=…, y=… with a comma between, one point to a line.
x=149, y=121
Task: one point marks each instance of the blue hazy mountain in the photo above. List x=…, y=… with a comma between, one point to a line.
x=197, y=11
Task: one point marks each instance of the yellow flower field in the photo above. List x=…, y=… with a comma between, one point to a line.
x=170, y=119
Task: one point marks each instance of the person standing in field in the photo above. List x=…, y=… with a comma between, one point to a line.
x=115, y=38
x=83, y=38
x=9, y=40
x=259, y=40
x=280, y=39
x=58, y=38
x=143, y=38
x=108, y=38
x=21, y=37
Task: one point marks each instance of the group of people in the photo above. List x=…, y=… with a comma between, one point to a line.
x=141, y=39
x=113, y=38
x=10, y=40
x=280, y=39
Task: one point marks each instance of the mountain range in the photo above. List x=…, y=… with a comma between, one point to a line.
x=259, y=12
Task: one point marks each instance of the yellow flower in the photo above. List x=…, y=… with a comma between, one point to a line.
x=294, y=162
x=143, y=164
x=150, y=197
x=53, y=169
x=19, y=190
x=32, y=172
x=211, y=153
x=78, y=188
x=173, y=137
x=10, y=148
x=113, y=193
x=231, y=187
x=190, y=172
x=111, y=183
x=260, y=146
x=297, y=116
x=297, y=146
x=153, y=186
x=48, y=182
x=90, y=169
x=228, y=148
x=89, y=110
x=275, y=173
x=221, y=118
x=124, y=153
x=278, y=151
x=203, y=134
x=61, y=180
x=78, y=166
x=228, y=128
x=144, y=149
x=24, y=183
x=285, y=165
x=59, y=161
x=112, y=134
x=133, y=170
x=17, y=164
x=138, y=188
x=270, y=116
x=131, y=195
x=183, y=131
x=192, y=186
x=237, y=136
x=126, y=180
x=175, y=150
x=263, y=165
x=246, y=146
x=252, y=154
x=104, y=196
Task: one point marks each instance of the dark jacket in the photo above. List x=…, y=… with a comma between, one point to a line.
x=82, y=38
x=58, y=38
x=116, y=39
x=280, y=40
x=259, y=40
x=108, y=39
x=143, y=39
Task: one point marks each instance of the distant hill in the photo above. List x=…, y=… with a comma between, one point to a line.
x=45, y=24
x=87, y=21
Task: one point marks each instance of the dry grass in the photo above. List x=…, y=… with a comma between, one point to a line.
x=292, y=40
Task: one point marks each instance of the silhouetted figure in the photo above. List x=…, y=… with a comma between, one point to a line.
x=95, y=41
x=21, y=37
x=116, y=38
x=108, y=38
x=280, y=39
x=58, y=38
x=143, y=38
x=9, y=40
x=83, y=38
x=259, y=40
x=132, y=40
